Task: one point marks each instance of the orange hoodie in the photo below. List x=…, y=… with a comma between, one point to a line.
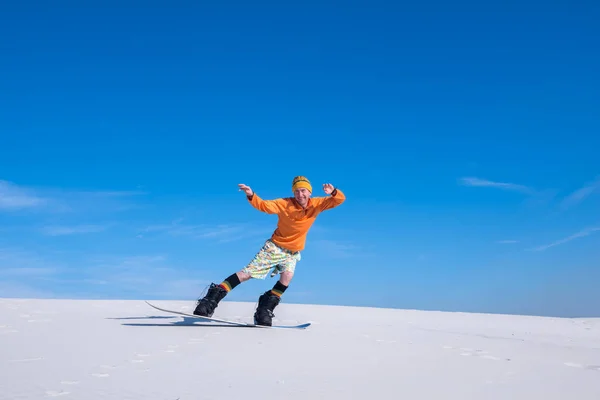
x=293, y=220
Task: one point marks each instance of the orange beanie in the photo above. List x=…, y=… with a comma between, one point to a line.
x=301, y=182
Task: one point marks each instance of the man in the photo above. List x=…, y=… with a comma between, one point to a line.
x=281, y=251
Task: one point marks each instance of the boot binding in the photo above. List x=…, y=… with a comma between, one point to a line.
x=266, y=305
x=206, y=306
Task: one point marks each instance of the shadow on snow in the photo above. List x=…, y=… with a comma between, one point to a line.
x=177, y=321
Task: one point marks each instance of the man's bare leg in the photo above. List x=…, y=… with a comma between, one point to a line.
x=286, y=278
x=243, y=276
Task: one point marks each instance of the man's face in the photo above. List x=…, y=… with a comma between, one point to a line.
x=302, y=195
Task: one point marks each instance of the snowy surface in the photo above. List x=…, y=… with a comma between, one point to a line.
x=127, y=350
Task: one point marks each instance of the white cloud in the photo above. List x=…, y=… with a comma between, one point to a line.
x=57, y=200
x=580, y=234
x=13, y=289
x=193, y=231
x=220, y=233
x=121, y=263
x=144, y=275
x=580, y=194
x=13, y=197
x=336, y=249
x=477, y=182
x=61, y=230
x=507, y=241
x=76, y=201
x=19, y=269
x=178, y=288
x=28, y=271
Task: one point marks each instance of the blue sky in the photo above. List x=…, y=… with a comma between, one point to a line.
x=465, y=138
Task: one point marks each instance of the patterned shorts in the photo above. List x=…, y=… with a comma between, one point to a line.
x=272, y=257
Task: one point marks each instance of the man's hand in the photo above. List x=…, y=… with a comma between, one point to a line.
x=246, y=189
x=328, y=188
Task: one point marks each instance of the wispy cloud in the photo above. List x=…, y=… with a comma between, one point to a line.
x=220, y=232
x=28, y=271
x=22, y=274
x=128, y=272
x=76, y=201
x=121, y=263
x=193, y=231
x=337, y=249
x=580, y=234
x=177, y=288
x=147, y=275
x=62, y=230
x=580, y=194
x=13, y=197
x=507, y=241
x=18, y=289
x=537, y=196
x=15, y=263
x=477, y=182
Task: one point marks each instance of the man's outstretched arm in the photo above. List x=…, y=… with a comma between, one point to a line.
x=266, y=206
x=336, y=197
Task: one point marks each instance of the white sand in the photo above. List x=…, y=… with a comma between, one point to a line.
x=127, y=350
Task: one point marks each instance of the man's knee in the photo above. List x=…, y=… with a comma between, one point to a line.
x=243, y=276
x=286, y=277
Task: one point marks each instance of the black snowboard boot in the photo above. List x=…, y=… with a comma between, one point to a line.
x=206, y=306
x=264, y=312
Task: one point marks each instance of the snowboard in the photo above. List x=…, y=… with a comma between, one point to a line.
x=226, y=321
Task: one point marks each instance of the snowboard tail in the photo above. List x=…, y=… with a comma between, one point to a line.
x=226, y=321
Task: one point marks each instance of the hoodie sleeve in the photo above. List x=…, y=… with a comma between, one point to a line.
x=266, y=206
x=326, y=203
